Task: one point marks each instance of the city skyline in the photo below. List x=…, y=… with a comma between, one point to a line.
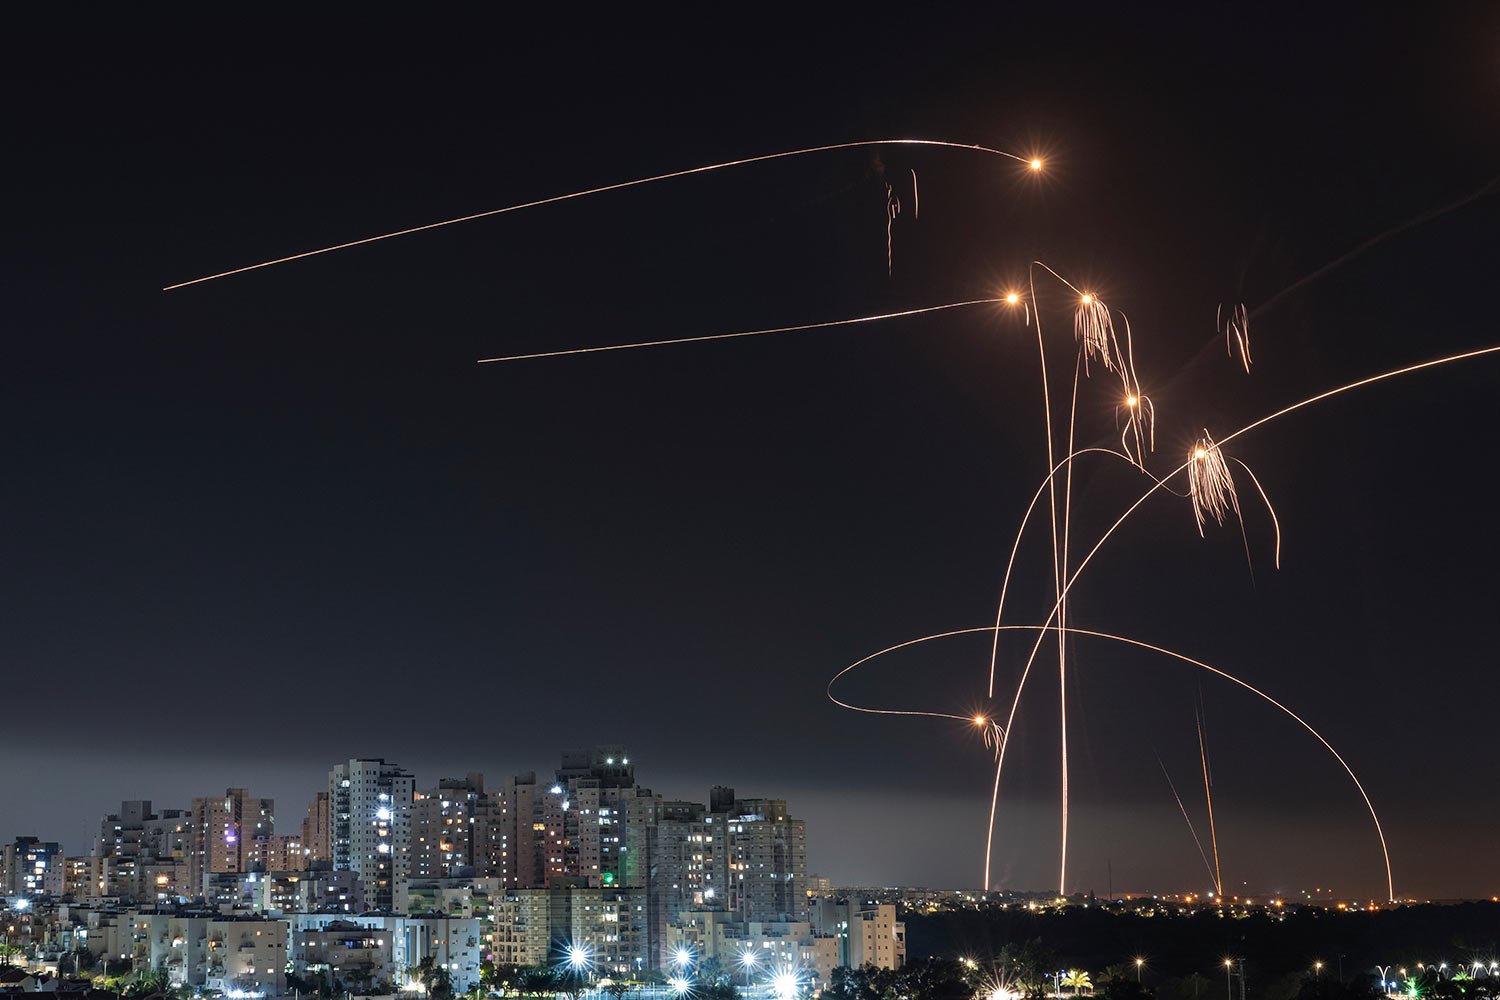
x=256, y=525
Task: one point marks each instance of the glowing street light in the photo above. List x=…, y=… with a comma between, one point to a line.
x=579, y=958
x=747, y=960
x=679, y=986
x=682, y=958
x=786, y=984
x=1012, y=298
x=1140, y=963
x=1035, y=164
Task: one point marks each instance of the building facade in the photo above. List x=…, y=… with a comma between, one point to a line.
x=370, y=812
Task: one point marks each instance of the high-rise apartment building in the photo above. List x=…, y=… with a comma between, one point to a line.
x=767, y=860
x=458, y=828
x=590, y=825
x=137, y=839
x=231, y=833
x=27, y=865
x=370, y=808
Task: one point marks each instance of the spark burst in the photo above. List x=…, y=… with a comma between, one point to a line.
x=1094, y=328
x=1209, y=483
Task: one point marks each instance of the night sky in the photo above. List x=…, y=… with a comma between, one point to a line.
x=256, y=526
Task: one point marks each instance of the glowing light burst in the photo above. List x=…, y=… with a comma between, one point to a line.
x=1210, y=485
x=1094, y=329
x=787, y=983
x=679, y=987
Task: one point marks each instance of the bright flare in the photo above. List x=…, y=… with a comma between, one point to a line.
x=786, y=984
x=1036, y=164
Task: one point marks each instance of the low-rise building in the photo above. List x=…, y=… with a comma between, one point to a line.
x=353, y=956
x=245, y=954
x=755, y=949
x=868, y=934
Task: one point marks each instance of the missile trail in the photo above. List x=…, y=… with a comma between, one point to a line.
x=618, y=186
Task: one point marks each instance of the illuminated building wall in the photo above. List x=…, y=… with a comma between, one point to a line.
x=868, y=934
x=460, y=828
x=370, y=805
x=230, y=833
x=26, y=864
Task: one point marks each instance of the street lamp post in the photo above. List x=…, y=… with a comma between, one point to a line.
x=1140, y=963
x=1229, y=978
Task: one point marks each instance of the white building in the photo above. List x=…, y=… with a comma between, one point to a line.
x=370, y=805
x=753, y=949
x=353, y=954
x=453, y=943
x=227, y=954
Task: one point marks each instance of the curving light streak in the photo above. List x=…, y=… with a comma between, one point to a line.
x=1181, y=657
x=1275, y=521
x=1016, y=545
x=746, y=333
x=601, y=190
x=1301, y=404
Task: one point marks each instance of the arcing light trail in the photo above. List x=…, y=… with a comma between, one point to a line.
x=1192, y=458
x=745, y=333
x=1030, y=162
x=1164, y=651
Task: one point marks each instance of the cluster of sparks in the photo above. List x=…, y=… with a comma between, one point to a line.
x=1102, y=339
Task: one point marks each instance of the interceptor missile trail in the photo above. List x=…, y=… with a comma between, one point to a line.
x=1031, y=163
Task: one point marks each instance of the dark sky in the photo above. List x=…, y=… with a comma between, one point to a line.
x=262, y=524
